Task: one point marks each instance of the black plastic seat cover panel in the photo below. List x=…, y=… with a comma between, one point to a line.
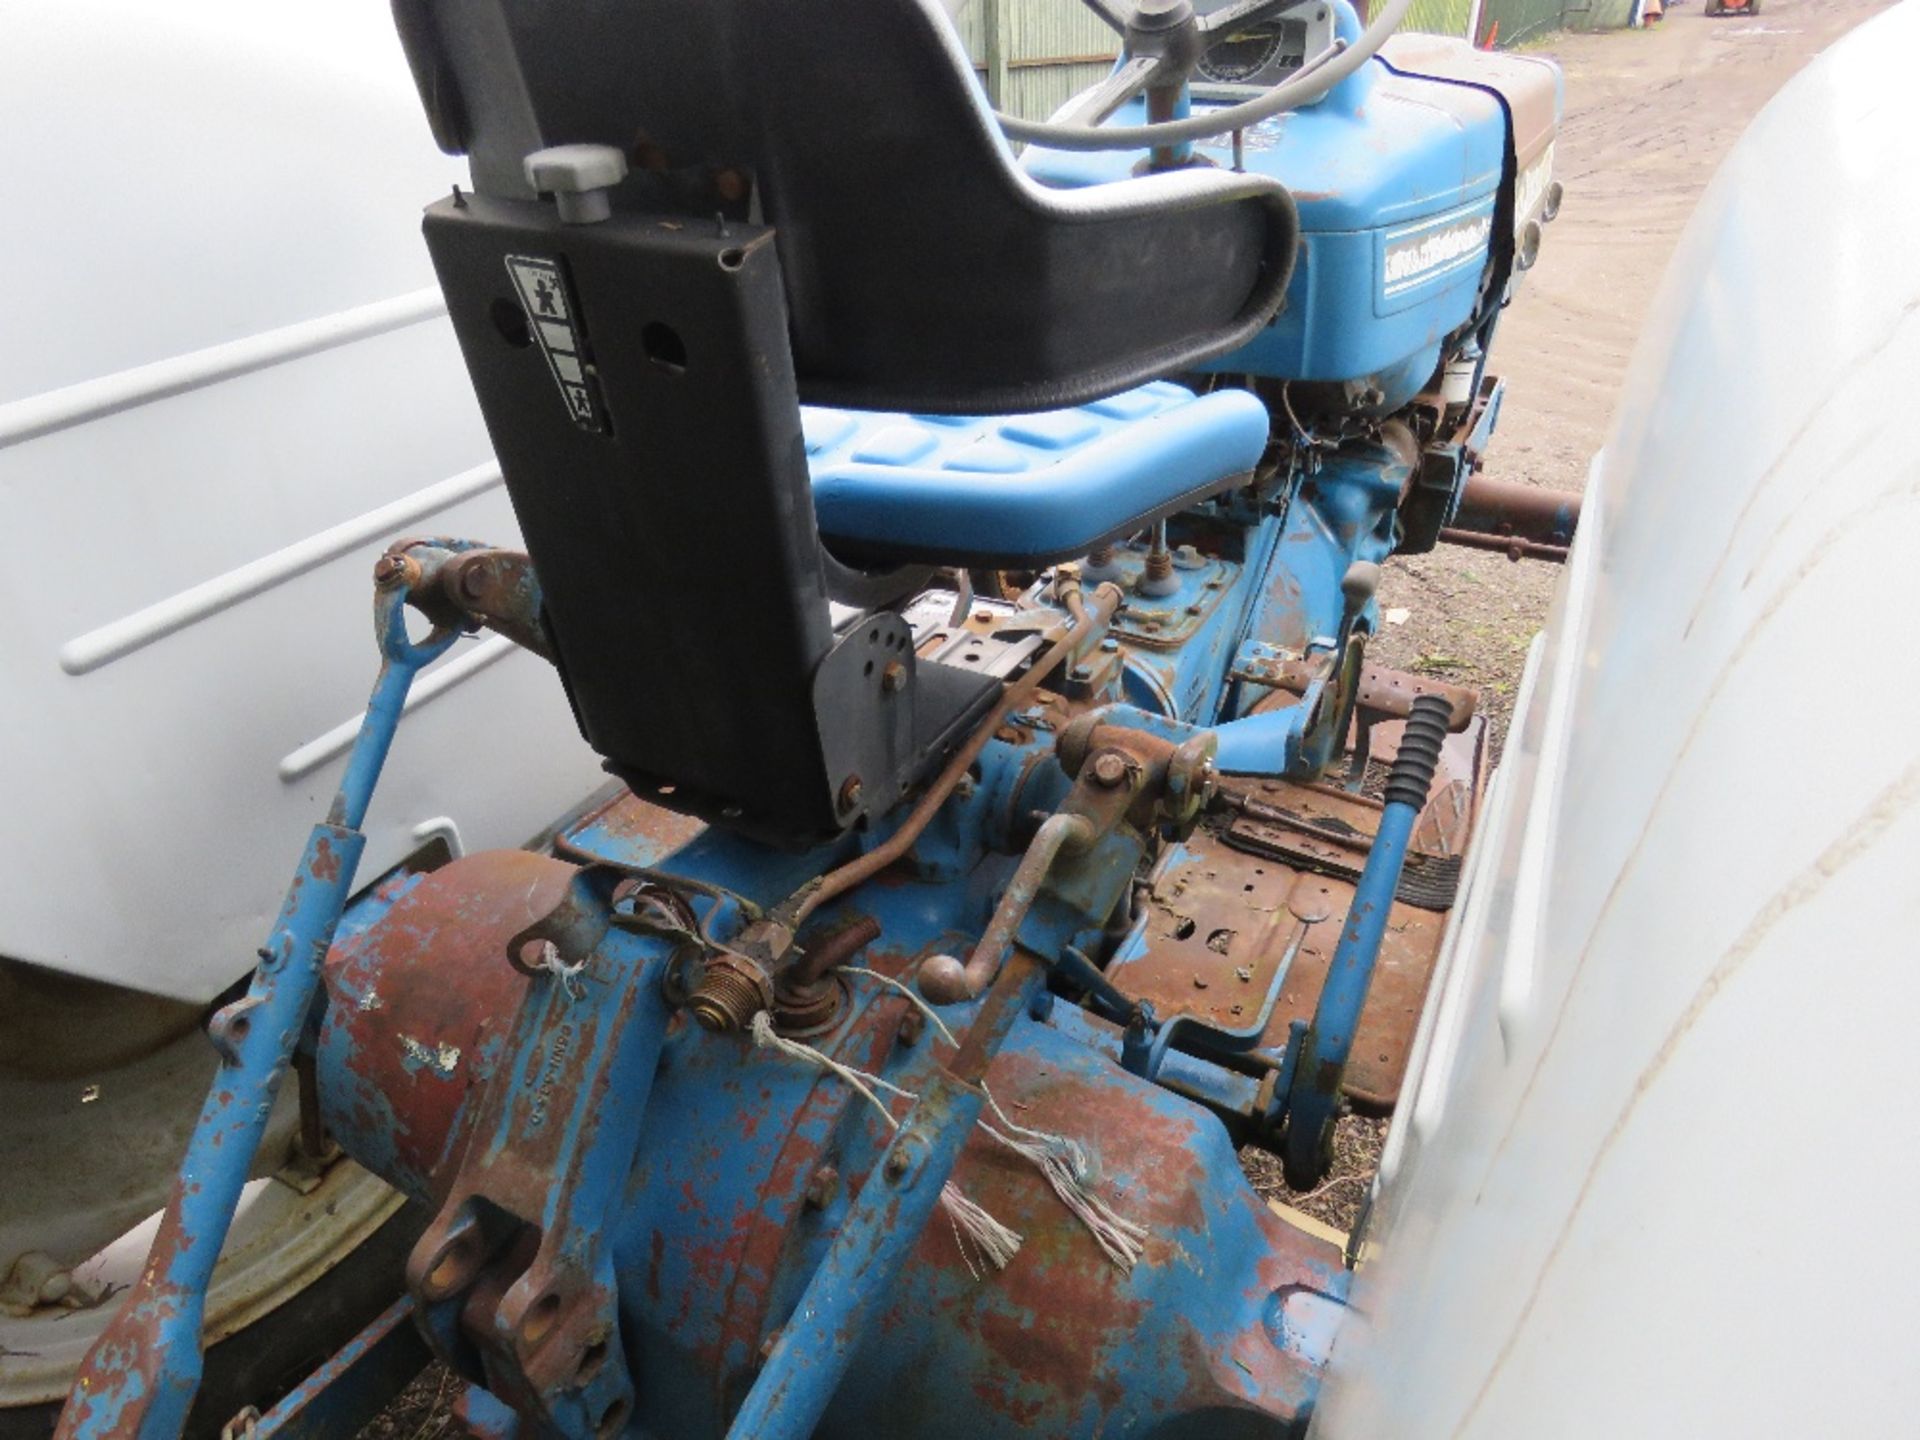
x=924, y=271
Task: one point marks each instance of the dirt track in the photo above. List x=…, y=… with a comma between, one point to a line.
x=1650, y=114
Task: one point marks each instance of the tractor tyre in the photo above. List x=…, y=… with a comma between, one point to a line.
x=262, y=1362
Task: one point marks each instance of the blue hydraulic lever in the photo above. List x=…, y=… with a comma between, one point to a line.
x=1319, y=1068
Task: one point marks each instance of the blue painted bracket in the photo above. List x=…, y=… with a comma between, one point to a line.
x=141, y=1375
x=1148, y=1040
x=555, y=1134
x=1267, y=743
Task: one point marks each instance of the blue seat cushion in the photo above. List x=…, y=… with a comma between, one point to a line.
x=1024, y=490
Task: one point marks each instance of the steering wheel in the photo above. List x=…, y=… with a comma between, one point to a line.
x=1161, y=42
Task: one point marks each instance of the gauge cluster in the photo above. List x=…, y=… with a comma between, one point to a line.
x=1266, y=49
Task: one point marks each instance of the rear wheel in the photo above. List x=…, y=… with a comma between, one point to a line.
x=99, y=1088
x=263, y=1361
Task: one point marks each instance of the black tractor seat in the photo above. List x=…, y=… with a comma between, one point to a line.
x=783, y=202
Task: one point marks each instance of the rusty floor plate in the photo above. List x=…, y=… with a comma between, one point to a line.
x=1225, y=909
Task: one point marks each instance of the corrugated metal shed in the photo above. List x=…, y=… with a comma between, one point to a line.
x=1514, y=22
x=1438, y=17
x=1599, y=14
x=1035, y=54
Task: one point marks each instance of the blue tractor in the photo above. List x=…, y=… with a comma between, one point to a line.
x=964, y=564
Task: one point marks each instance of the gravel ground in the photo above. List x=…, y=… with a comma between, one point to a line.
x=422, y=1411
x=1649, y=116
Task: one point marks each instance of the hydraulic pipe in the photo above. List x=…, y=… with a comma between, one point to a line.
x=1506, y=545
x=835, y=950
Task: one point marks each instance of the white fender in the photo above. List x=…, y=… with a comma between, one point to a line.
x=1654, y=1174
x=227, y=382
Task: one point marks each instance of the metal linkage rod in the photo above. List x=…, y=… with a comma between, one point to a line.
x=880, y=1230
x=139, y=1379
x=884, y=1223
x=943, y=980
x=1321, y=1065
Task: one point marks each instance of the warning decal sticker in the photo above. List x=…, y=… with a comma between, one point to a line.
x=553, y=319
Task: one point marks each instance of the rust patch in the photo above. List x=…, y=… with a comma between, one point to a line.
x=629, y=830
x=326, y=864
x=748, y=1258
x=437, y=966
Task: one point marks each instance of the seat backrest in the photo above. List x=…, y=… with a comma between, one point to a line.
x=923, y=270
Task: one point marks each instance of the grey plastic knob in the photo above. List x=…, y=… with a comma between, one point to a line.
x=1359, y=583
x=578, y=177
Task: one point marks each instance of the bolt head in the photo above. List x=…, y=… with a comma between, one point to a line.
x=389, y=570
x=1109, y=769
x=894, y=678
x=823, y=1187
x=474, y=580
x=850, y=793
